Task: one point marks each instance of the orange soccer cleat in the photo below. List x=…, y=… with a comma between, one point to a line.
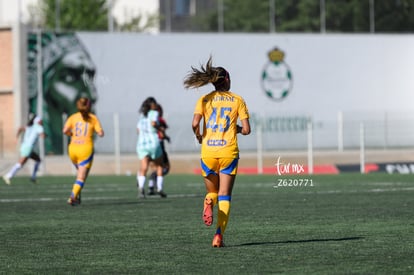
x=218, y=240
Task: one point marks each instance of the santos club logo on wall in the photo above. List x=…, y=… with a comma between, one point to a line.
x=277, y=79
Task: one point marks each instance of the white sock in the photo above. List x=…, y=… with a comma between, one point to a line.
x=160, y=180
x=150, y=183
x=14, y=170
x=141, y=181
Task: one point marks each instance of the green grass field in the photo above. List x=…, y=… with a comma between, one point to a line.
x=343, y=224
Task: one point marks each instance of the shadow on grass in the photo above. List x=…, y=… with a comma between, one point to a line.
x=302, y=241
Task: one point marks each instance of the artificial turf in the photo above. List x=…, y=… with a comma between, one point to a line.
x=342, y=224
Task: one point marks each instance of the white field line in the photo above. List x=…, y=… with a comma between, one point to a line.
x=374, y=190
x=98, y=198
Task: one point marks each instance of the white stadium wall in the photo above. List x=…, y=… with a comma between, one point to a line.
x=333, y=78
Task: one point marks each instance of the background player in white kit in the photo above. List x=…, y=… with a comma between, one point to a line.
x=31, y=133
x=148, y=145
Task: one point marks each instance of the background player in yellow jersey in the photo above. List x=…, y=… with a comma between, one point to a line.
x=220, y=111
x=81, y=127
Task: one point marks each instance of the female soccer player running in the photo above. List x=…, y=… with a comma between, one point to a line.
x=162, y=135
x=220, y=110
x=148, y=146
x=81, y=127
x=31, y=133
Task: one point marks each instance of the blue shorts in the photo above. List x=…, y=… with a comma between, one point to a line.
x=215, y=166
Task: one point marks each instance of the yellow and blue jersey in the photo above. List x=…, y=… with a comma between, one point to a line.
x=220, y=111
x=81, y=142
x=83, y=131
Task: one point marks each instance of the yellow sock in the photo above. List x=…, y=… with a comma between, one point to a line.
x=223, y=213
x=214, y=196
x=77, y=187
